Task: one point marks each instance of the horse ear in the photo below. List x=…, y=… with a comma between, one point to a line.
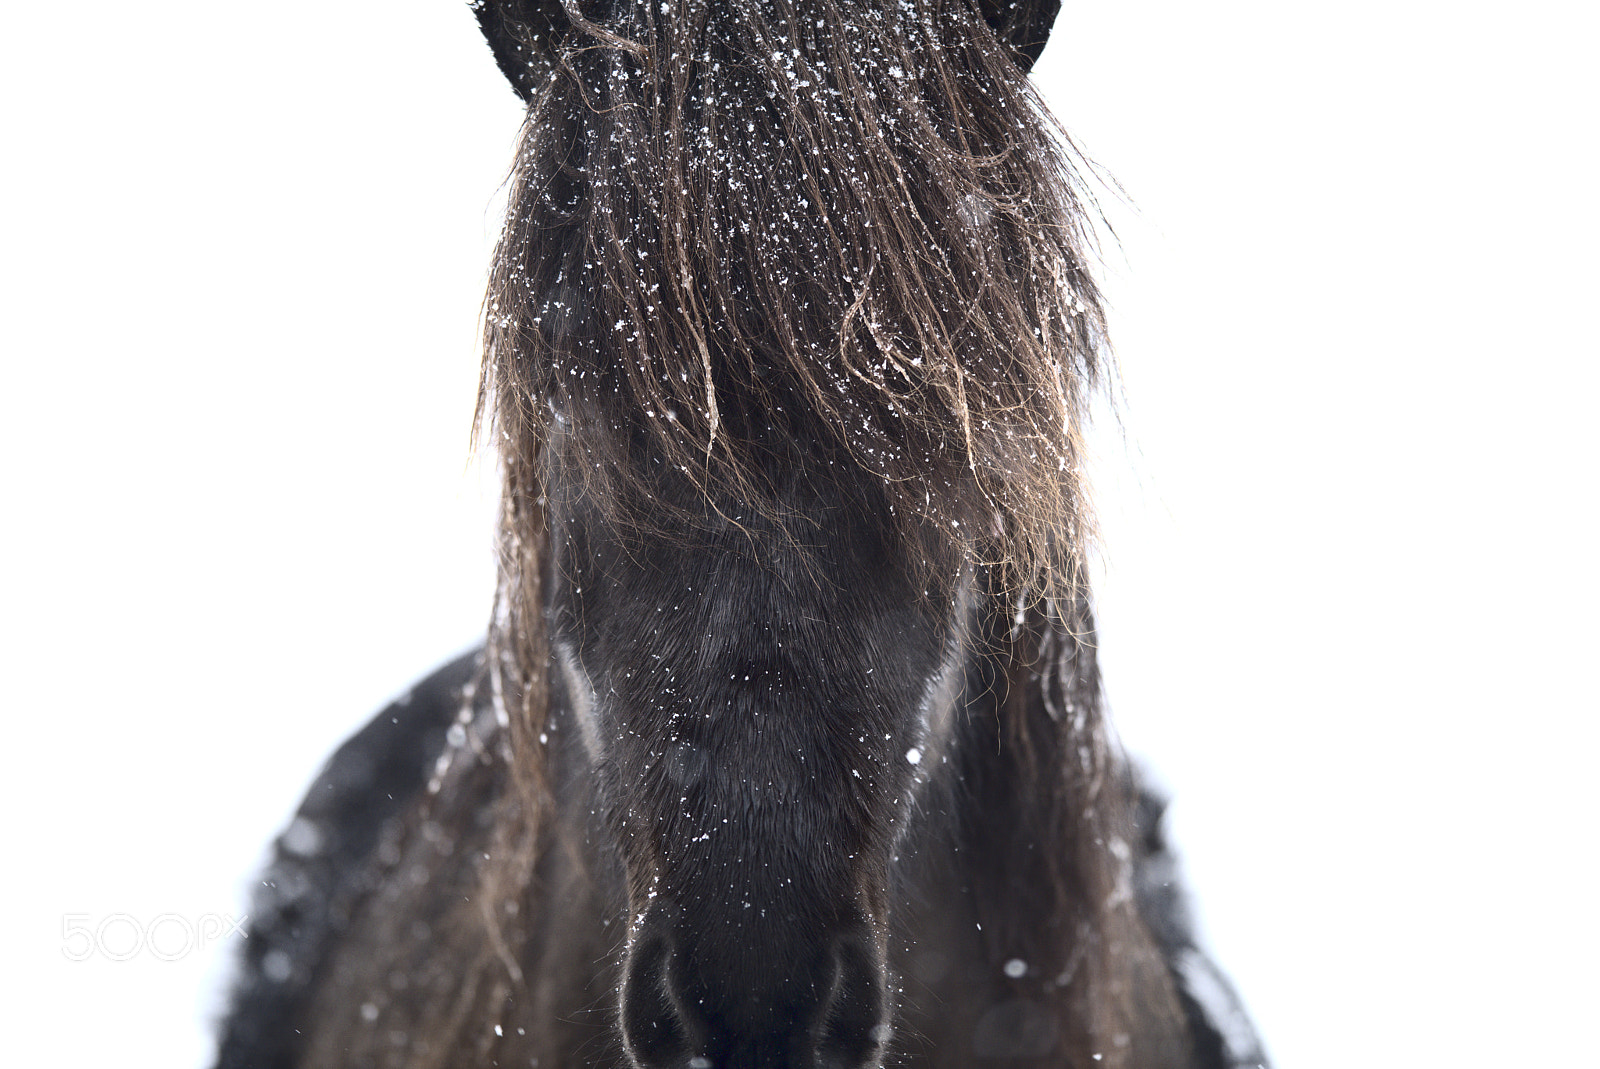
x=1022, y=24
x=523, y=35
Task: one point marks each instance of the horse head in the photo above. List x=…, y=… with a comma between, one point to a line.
x=787, y=337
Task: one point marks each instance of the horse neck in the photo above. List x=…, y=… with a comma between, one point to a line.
x=1027, y=876
x=1032, y=765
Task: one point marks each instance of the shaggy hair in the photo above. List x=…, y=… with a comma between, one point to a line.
x=857, y=216
x=845, y=224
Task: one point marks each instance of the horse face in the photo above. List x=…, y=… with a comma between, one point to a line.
x=760, y=705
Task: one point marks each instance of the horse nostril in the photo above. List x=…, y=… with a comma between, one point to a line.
x=653, y=1030
x=713, y=1004
x=855, y=1030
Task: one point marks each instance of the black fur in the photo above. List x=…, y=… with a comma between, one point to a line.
x=324, y=866
x=357, y=802
x=1223, y=1035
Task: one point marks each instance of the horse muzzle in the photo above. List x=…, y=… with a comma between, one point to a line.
x=733, y=997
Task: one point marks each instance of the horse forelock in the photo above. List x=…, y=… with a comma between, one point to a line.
x=851, y=226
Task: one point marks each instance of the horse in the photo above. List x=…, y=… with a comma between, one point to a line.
x=787, y=746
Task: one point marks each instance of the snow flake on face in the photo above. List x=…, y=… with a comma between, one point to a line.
x=277, y=966
x=303, y=838
x=1016, y=968
x=914, y=756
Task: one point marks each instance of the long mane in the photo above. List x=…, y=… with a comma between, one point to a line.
x=858, y=218
x=851, y=220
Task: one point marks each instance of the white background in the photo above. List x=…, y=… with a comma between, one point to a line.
x=1350, y=530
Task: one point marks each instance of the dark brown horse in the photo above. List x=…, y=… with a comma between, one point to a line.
x=787, y=746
